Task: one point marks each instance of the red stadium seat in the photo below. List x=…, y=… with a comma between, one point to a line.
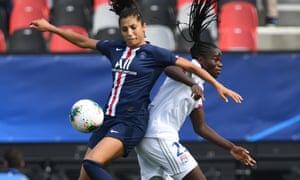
x=2, y=42
x=21, y=17
x=40, y=4
x=237, y=27
x=237, y=39
x=98, y=3
x=181, y=3
x=238, y=14
x=59, y=45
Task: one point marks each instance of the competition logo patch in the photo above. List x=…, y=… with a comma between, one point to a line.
x=181, y=152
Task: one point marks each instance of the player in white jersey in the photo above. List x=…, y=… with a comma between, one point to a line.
x=160, y=153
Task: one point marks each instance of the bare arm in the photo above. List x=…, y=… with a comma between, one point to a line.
x=75, y=38
x=201, y=128
x=177, y=74
x=222, y=90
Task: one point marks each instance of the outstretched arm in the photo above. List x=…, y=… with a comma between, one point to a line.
x=222, y=90
x=201, y=128
x=178, y=74
x=73, y=37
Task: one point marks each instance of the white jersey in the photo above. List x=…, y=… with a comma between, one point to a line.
x=160, y=153
x=170, y=107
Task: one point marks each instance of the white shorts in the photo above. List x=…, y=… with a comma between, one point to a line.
x=161, y=158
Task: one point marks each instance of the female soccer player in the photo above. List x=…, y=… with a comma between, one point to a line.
x=160, y=153
x=136, y=65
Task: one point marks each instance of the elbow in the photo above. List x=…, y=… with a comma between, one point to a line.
x=198, y=131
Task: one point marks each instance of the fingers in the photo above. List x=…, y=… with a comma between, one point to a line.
x=197, y=92
x=235, y=96
x=249, y=161
x=34, y=24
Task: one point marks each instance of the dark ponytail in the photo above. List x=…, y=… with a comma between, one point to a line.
x=125, y=8
x=200, y=17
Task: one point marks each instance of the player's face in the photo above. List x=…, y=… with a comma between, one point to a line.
x=133, y=31
x=213, y=65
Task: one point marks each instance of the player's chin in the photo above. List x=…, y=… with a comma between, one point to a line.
x=132, y=43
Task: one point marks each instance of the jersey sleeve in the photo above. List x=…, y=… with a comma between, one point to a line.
x=108, y=47
x=165, y=56
x=103, y=46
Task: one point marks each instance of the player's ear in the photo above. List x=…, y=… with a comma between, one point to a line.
x=200, y=59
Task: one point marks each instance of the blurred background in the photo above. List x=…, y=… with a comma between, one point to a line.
x=42, y=75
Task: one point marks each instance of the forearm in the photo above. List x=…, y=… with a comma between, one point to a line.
x=210, y=135
x=203, y=74
x=177, y=74
x=202, y=129
x=73, y=37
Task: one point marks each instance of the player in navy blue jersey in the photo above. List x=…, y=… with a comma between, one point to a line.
x=136, y=65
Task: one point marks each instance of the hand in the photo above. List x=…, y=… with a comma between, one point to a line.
x=197, y=92
x=241, y=154
x=224, y=92
x=40, y=25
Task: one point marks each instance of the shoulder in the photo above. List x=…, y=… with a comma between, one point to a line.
x=159, y=53
x=153, y=48
x=110, y=43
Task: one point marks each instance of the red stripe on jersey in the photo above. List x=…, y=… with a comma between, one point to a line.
x=117, y=86
x=200, y=106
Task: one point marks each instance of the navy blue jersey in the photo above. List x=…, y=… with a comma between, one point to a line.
x=134, y=73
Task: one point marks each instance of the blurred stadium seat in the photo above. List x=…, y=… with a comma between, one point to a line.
x=238, y=21
x=21, y=17
x=108, y=34
x=2, y=42
x=162, y=12
x=181, y=3
x=110, y=20
x=98, y=3
x=71, y=12
x=238, y=14
x=161, y=36
x=3, y=21
x=59, y=45
x=26, y=40
x=237, y=39
x=39, y=4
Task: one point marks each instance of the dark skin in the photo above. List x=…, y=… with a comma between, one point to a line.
x=213, y=65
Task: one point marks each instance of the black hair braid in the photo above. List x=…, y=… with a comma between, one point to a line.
x=201, y=15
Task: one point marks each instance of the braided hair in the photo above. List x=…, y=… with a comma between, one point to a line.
x=125, y=8
x=201, y=16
